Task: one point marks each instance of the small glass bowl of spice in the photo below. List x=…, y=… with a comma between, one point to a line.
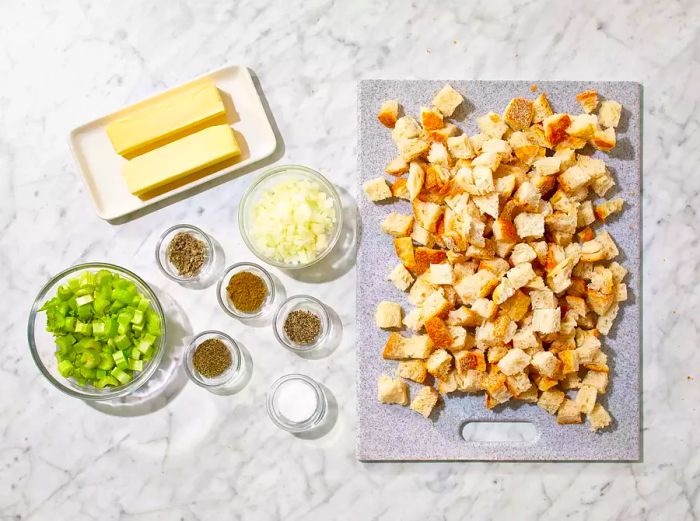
x=301, y=323
x=246, y=290
x=184, y=253
x=213, y=360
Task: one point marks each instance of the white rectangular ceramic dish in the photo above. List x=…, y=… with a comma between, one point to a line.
x=100, y=166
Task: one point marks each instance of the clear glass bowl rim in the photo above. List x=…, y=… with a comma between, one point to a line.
x=279, y=170
x=192, y=228
x=117, y=392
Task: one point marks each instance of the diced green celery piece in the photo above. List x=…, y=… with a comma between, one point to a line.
x=64, y=292
x=65, y=341
x=110, y=380
x=143, y=304
x=85, y=312
x=65, y=368
x=100, y=373
x=148, y=354
x=122, y=329
x=87, y=278
x=85, y=290
x=63, y=308
x=122, y=342
x=74, y=284
x=153, y=326
x=118, y=356
x=138, y=329
x=80, y=381
x=100, y=305
x=69, y=324
x=103, y=277
x=135, y=354
x=121, y=375
x=123, y=365
x=138, y=318
x=72, y=304
x=125, y=317
x=99, y=384
x=121, y=295
x=98, y=328
x=146, y=341
x=83, y=328
x=84, y=299
x=87, y=343
x=136, y=300
x=106, y=362
x=111, y=327
x=90, y=358
x=88, y=373
x=136, y=365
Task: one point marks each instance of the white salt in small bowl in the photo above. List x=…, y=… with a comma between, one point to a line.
x=296, y=403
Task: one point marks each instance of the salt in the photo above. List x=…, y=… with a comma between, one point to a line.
x=296, y=400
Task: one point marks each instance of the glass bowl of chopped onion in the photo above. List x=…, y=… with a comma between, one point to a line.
x=290, y=217
x=97, y=331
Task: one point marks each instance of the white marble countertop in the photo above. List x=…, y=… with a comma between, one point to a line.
x=198, y=456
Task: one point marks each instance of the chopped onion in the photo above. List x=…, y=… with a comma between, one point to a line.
x=292, y=221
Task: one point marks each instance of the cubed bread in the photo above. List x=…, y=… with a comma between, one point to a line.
x=515, y=361
x=431, y=119
x=439, y=364
x=377, y=189
x=398, y=225
x=405, y=128
x=412, y=370
x=547, y=165
x=522, y=252
x=392, y=390
x=413, y=148
x=583, y=126
x=460, y=339
x=389, y=113
x=551, y=400
x=447, y=100
x=401, y=348
x=568, y=413
x=607, y=208
x=492, y=125
x=516, y=306
x=438, y=332
x=405, y=252
x=599, y=418
x=518, y=114
x=520, y=275
x=460, y=147
x=414, y=319
x=416, y=178
x=464, y=316
x=437, y=155
x=529, y=225
x=569, y=361
x=596, y=379
x=427, y=214
x=609, y=114
x=574, y=178
x=439, y=274
x=425, y=400
x=518, y=384
x=396, y=166
x=435, y=305
x=546, y=363
x=487, y=204
x=555, y=127
x=388, y=315
x=484, y=307
x=541, y=108
x=400, y=190
x=586, y=398
x=588, y=100
x=604, y=140
x=478, y=285
x=546, y=320
x=401, y=277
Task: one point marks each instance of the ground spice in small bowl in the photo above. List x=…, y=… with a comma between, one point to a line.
x=246, y=291
x=187, y=254
x=211, y=358
x=302, y=327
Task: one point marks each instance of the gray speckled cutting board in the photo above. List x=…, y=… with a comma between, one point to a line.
x=390, y=432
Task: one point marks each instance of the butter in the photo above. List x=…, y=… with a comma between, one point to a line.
x=180, y=158
x=168, y=119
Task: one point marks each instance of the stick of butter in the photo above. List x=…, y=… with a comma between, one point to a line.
x=171, y=117
x=180, y=158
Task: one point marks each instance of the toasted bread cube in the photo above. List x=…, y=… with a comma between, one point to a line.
x=604, y=140
x=401, y=348
x=396, y=166
x=597, y=379
x=431, y=119
x=438, y=332
x=609, y=114
x=405, y=128
x=497, y=146
x=503, y=292
x=439, y=274
x=447, y=100
x=416, y=178
x=541, y=108
x=585, y=398
x=459, y=338
x=424, y=400
x=526, y=339
x=441, y=135
x=599, y=418
x=497, y=266
x=414, y=319
x=605, y=322
x=484, y=307
x=465, y=317
x=388, y=315
x=482, y=179
x=522, y=253
x=583, y=126
x=413, y=148
x=588, y=100
x=491, y=160
x=437, y=155
x=392, y=390
x=555, y=127
x=377, y=189
x=551, y=400
x=397, y=224
x=497, y=389
x=427, y=214
x=585, y=215
x=487, y=204
x=516, y=306
x=568, y=413
x=478, y=140
x=546, y=320
x=472, y=381
x=492, y=125
x=621, y=292
x=606, y=209
x=401, y=277
x=544, y=383
x=412, y=370
x=399, y=189
x=569, y=361
x=479, y=285
x=389, y=113
x=547, y=165
x=405, y=252
x=435, y=305
x=518, y=113
x=420, y=291
x=573, y=179
x=546, y=364
x=439, y=364
x=520, y=275
x=518, y=384
x=529, y=225
x=515, y=361
x=469, y=360
x=529, y=396
x=460, y=147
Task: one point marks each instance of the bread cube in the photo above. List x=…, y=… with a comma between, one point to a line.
x=464, y=317
x=488, y=204
x=492, y=125
x=479, y=285
x=424, y=401
x=427, y=214
x=546, y=364
x=583, y=126
x=398, y=225
x=518, y=114
x=389, y=113
x=551, y=400
x=547, y=165
x=435, y=305
x=431, y=119
x=607, y=208
x=546, y=320
x=529, y=225
x=502, y=292
x=541, y=108
x=520, y=275
x=609, y=114
x=438, y=332
x=405, y=128
x=554, y=127
x=599, y=418
x=401, y=277
x=596, y=379
x=484, y=307
x=396, y=166
x=585, y=398
x=437, y=155
x=422, y=236
x=460, y=147
x=414, y=319
x=604, y=140
x=400, y=190
x=392, y=390
x=405, y=252
x=574, y=178
x=460, y=338
x=439, y=364
x=388, y=315
x=377, y=189
x=522, y=253
x=588, y=100
x=447, y=100
x=413, y=148
x=439, y=274
x=568, y=413
x=412, y=370
x=515, y=361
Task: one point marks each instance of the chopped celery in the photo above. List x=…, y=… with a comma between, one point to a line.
x=104, y=329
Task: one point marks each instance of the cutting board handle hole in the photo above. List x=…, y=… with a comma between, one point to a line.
x=498, y=431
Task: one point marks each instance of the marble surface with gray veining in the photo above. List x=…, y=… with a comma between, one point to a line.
x=182, y=453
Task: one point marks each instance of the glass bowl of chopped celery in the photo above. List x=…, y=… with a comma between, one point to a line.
x=97, y=331
x=290, y=217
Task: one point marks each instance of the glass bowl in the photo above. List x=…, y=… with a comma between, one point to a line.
x=224, y=378
x=164, y=263
x=43, y=347
x=306, y=303
x=271, y=178
x=277, y=403
x=226, y=303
